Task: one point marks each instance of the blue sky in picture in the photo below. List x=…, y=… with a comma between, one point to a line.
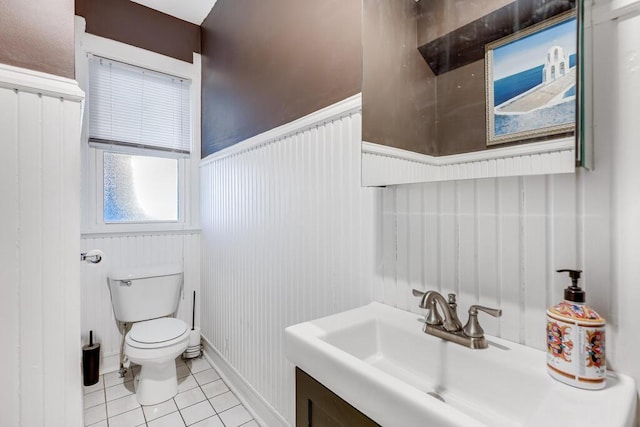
x=529, y=52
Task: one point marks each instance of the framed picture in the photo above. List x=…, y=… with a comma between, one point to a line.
x=531, y=82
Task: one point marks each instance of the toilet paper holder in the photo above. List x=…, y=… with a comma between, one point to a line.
x=92, y=257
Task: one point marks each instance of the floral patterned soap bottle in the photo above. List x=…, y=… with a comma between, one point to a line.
x=575, y=340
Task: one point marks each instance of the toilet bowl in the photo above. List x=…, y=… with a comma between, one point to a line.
x=154, y=345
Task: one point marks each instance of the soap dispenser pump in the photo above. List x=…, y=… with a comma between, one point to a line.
x=576, y=339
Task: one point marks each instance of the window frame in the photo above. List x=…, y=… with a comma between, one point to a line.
x=92, y=154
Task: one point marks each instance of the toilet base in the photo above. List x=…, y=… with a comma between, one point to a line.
x=156, y=382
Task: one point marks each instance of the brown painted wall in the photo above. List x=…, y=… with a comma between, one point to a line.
x=38, y=35
x=461, y=96
x=140, y=26
x=461, y=110
x=461, y=116
x=398, y=87
x=268, y=63
x=439, y=17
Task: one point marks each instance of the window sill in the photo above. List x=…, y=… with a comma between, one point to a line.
x=139, y=230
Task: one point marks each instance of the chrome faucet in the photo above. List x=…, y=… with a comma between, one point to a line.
x=450, y=328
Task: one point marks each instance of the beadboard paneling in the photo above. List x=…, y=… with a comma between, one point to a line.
x=125, y=251
x=288, y=235
x=39, y=295
x=494, y=242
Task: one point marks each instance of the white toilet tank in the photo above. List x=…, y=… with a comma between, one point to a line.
x=145, y=293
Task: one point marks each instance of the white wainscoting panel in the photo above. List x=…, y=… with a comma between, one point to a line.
x=39, y=247
x=126, y=251
x=288, y=235
x=494, y=242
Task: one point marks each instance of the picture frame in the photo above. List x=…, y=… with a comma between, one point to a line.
x=531, y=82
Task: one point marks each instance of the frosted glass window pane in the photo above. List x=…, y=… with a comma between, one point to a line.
x=140, y=188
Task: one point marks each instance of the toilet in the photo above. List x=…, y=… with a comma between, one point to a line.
x=144, y=297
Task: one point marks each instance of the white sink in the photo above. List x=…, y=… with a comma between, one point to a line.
x=378, y=359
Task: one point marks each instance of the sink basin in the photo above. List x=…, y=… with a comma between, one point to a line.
x=378, y=359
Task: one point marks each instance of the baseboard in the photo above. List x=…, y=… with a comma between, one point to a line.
x=261, y=410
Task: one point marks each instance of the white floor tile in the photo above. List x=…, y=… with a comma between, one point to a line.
x=224, y=401
x=189, y=407
x=209, y=422
x=93, y=399
x=197, y=365
x=197, y=412
x=160, y=410
x=207, y=376
x=189, y=397
x=124, y=404
x=97, y=386
x=235, y=416
x=172, y=420
x=186, y=383
x=214, y=388
x=182, y=371
x=120, y=390
x=113, y=378
x=128, y=419
x=95, y=414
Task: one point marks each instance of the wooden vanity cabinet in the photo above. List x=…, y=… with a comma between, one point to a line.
x=317, y=406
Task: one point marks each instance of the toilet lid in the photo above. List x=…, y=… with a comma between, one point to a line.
x=157, y=330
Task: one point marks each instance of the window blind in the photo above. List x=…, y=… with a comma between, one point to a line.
x=136, y=107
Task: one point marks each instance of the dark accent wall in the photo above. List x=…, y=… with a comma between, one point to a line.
x=461, y=95
x=466, y=44
x=266, y=63
x=140, y=26
x=461, y=110
x=405, y=105
x=461, y=116
x=398, y=88
x=38, y=35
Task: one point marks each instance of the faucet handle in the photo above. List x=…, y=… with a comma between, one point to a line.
x=420, y=294
x=473, y=329
x=433, y=317
x=495, y=312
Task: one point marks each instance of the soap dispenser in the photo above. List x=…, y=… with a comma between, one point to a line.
x=576, y=339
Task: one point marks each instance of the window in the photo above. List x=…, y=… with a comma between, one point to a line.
x=139, y=188
x=140, y=137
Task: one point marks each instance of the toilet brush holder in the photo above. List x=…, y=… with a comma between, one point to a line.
x=91, y=362
x=195, y=348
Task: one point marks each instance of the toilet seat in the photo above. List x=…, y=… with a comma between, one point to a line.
x=157, y=333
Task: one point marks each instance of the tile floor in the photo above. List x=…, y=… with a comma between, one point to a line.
x=203, y=400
